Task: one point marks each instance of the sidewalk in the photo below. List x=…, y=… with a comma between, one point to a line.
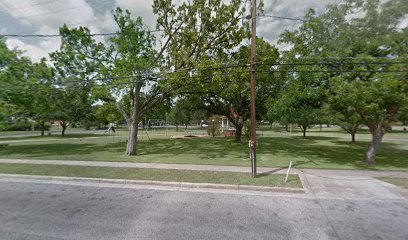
x=218, y=168
x=318, y=182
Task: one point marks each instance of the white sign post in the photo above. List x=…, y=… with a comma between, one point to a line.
x=287, y=173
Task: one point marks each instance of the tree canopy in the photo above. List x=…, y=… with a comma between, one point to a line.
x=356, y=50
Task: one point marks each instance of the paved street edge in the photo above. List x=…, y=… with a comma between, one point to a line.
x=162, y=183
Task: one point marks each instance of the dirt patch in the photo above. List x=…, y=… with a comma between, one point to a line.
x=188, y=136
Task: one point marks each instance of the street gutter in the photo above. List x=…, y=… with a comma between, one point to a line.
x=160, y=183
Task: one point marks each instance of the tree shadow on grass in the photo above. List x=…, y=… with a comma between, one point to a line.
x=264, y=174
x=46, y=149
x=55, y=136
x=201, y=148
x=312, y=152
x=217, y=148
x=317, y=152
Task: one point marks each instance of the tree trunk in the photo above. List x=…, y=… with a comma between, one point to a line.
x=353, y=137
x=176, y=127
x=304, y=128
x=42, y=125
x=238, y=132
x=131, y=147
x=377, y=133
x=64, y=127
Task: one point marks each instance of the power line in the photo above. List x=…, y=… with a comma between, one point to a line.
x=342, y=58
x=284, y=18
x=157, y=78
x=47, y=13
x=59, y=35
x=329, y=64
x=145, y=77
x=30, y=6
x=53, y=35
x=334, y=71
x=200, y=72
x=22, y=35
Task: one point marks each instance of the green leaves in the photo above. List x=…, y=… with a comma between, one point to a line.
x=198, y=28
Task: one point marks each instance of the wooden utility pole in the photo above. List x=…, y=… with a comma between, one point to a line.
x=252, y=143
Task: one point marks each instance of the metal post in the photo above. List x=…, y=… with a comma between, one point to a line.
x=166, y=124
x=213, y=128
x=253, y=76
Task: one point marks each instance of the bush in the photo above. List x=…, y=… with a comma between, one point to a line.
x=18, y=126
x=25, y=126
x=213, y=128
x=37, y=127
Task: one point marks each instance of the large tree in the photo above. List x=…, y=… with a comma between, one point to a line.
x=7, y=59
x=14, y=85
x=186, y=110
x=361, y=45
x=198, y=35
x=300, y=101
x=224, y=89
x=113, y=71
x=104, y=114
x=40, y=105
x=196, y=29
x=26, y=87
x=128, y=63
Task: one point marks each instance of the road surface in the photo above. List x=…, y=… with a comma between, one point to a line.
x=52, y=210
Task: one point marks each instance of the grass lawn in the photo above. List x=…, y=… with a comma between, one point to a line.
x=49, y=138
x=401, y=182
x=325, y=150
x=271, y=180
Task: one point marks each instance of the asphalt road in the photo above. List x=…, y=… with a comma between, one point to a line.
x=59, y=211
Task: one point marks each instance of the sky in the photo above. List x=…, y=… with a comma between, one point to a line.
x=46, y=16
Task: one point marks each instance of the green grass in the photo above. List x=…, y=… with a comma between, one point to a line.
x=330, y=150
x=271, y=180
x=401, y=182
x=52, y=137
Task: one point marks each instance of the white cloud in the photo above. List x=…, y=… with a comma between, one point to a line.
x=270, y=28
x=52, y=14
x=141, y=8
x=403, y=23
x=35, y=52
x=45, y=17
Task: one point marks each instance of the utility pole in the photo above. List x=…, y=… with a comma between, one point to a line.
x=252, y=143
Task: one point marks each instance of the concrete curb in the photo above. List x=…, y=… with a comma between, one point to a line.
x=160, y=183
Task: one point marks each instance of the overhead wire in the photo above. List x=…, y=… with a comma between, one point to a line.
x=142, y=79
x=330, y=63
x=29, y=17
x=283, y=18
x=22, y=35
x=29, y=6
x=223, y=66
x=156, y=77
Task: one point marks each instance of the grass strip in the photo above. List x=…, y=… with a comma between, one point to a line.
x=271, y=180
x=318, y=152
x=401, y=182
